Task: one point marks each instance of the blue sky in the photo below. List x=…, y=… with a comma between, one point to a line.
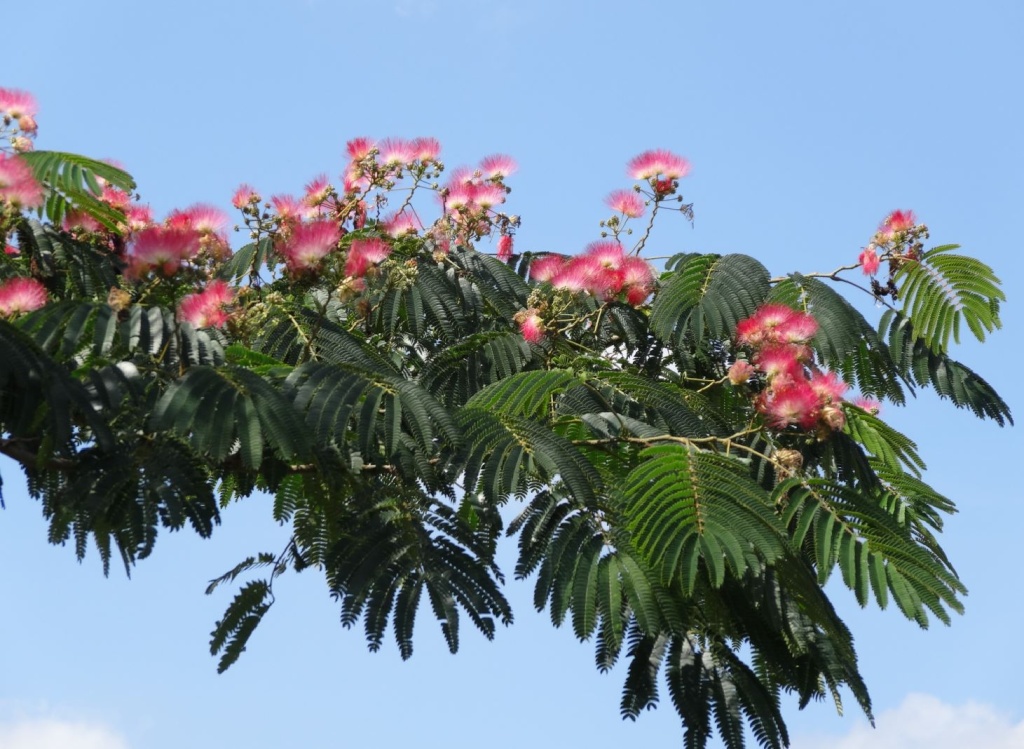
x=805, y=123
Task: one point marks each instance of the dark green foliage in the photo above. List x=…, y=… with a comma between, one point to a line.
x=394, y=421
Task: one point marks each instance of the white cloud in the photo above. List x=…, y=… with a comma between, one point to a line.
x=52, y=733
x=926, y=722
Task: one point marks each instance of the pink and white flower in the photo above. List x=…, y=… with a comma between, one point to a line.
x=531, y=325
x=868, y=260
x=505, y=248
x=897, y=221
x=626, y=202
x=308, y=244
x=498, y=166
x=244, y=196
x=364, y=253
x=161, y=249
x=18, y=105
x=21, y=295
x=18, y=186
x=206, y=309
x=651, y=165
x=543, y=269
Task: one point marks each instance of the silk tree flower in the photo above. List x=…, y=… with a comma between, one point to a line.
x=206, y=308
x=897, y=221
x=499, y=166
x=795, y=404
x=829, y=387
x=21, y=295
x=780, y=362
x=308, y=244
x=202, y=218
x=740, y=372
x=402, y=223
x=637, y=279
x=531, y=325
x=318, y=190
x=870, y=405
x=18, y=186
x=162, y=249
x=488, y=196
x=426, y=149
x=244, y=196
x=395, y=152
x=543, y=269
x=19, y=106
x=776, y=323
x=138, y=217
x=651, y=165
x=505, y=248
x=364, y=253
x=359, y=148
x=626, y=202
x=868, y=260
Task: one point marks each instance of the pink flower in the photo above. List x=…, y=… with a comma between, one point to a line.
x=395, y=152
x=505, y=248
x=162, y=249
x=11, y=250
x=488, y=196
x=606, y=253
x=740, y=372
x=244, y=196
x=206, y=309
x=403, y=223
x=797, y=403
x=636, y=272
x=780, y=362
x=652, y=164
x=21, y=295
x=363, y=253
x=868, y=260
x=18, y=186
x=138, y=216
x=776, y=323
x=531, y=326
x=897, y=221
x=359, y=148
x=317, y=191
x=545, y=268
x=81, y=221
x=288, y=208
x=426, y=149
x=626, y=202
x=21, y=144
x=870, y=405
x=115, y=198
x=498, y=166
x=578, y=274
x=459, y=197
x=310, y=243
x=202, y=218
x=829, y=387
x=17, y=105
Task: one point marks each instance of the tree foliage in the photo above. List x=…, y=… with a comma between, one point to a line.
x=672, y=451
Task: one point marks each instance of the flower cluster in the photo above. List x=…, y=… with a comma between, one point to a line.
x=18, y=113
x=603, y=270
x=18, y=186
x=661, y=169
x=21, y=295
x=797, y=394
x=899, y=238
x=206, y=309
